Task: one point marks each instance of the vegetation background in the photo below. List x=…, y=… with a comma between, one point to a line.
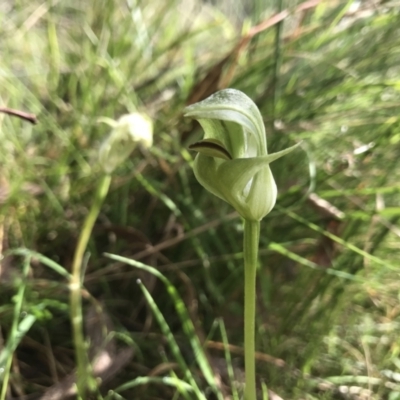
x=325, y=72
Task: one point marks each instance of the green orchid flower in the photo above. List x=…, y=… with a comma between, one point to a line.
x=233, y=161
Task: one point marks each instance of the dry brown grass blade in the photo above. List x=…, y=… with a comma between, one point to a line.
x=240, y=351
x=20, y=114
x=215, y=79
x=150, y=250
x=210, y=83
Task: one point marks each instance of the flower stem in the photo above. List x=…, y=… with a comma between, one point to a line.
x=250, y=251
x=76, y=285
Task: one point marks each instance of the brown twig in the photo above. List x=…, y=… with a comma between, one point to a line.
x=20, y=114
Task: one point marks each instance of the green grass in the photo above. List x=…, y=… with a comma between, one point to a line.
x=328, y=287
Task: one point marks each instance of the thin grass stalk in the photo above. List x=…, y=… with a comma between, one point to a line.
x=76, y=285
x=172, y=342
x=250, y=252
x=183, y=314
x=264, y=388
x=338, y=240
x=14, y=338
x=146, y=380
x=277, y=64
x=228, y=359
x=21, y=251
x=172, y=373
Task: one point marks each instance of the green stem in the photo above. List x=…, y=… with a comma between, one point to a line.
x=250, y=251
x=76, y=285
x=13, y=339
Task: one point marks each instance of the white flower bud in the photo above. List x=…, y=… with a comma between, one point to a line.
x=129, y=131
